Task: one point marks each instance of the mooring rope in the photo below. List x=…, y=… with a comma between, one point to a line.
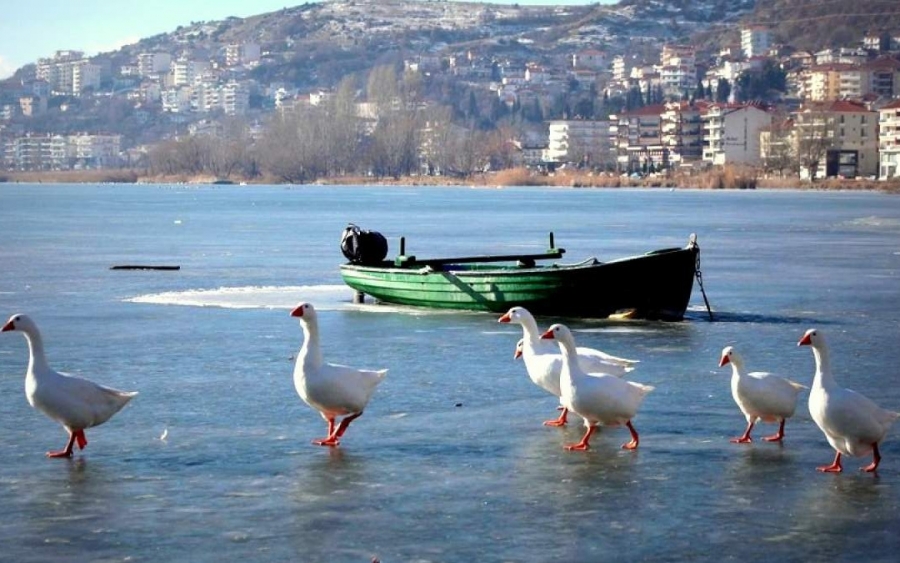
x=699, y=275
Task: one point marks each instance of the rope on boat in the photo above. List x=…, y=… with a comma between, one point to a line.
x=699, y=275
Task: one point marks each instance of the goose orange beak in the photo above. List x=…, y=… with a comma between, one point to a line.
x=8, y=326
x=724, y=361
x=505, y=318
x=297, y=312
x=805, y=341
x=548, y=335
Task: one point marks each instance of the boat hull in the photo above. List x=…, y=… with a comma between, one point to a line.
x=656, y=285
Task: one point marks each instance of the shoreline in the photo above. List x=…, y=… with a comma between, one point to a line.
x=727, y=178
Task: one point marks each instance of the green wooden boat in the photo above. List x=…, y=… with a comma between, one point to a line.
x=655, y=285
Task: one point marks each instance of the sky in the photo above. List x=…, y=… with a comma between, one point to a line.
x=32, y=31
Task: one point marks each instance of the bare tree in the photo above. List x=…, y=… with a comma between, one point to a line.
x=229, y=150
x=383, y=87
x=778, y=147
x=393, y=148
x=291, y=147
x=815, y=136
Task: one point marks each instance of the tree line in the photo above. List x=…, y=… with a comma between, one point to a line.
x=398, y=135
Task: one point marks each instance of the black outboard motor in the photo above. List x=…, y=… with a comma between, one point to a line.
x=363, y=247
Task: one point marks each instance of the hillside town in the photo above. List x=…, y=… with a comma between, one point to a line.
x=751, y=101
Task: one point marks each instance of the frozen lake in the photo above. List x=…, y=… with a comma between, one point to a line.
x=450, y=461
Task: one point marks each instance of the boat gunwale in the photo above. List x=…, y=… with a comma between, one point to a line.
x=389, y=267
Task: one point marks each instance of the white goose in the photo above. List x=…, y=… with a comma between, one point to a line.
x=333, y=390
x=74, y=402
x=852, y=423
x=760, y=396
x=543, y=362
x=598, y=398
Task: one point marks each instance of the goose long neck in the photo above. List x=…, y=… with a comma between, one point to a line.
x=823, y=377
x=569, y=354
x=37, y=359
x=311, y=350
x=530, y=329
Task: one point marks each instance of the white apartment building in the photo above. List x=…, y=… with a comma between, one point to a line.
x=681, y=131
x=234, y=98
x=151, y=64
x=60, y=152
x=755, y=41
x=850, y=130
x=237, y=54
x=677, y=55
x=93, y=150
x=184, y=72
x=580, y=141
x=176, y=100
x=619, y=69
x=68, y=72
x=889, y=141
x=84, y=77
x=678, y=79
x=731, y=133
x=638, y=139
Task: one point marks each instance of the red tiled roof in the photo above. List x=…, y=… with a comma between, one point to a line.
x=834, y=67
x=893, y=105
x=884, y=63
x=656, y=109
x=839, y=106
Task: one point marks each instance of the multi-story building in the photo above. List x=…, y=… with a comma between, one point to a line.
x=151, y=64
x=620, y=69
x=185, y=72
x=837, y=138
x=884, y=74
x=590, y=59
x=581, y=141
x=235, y=98
x=837, y=80
x=731, y=133
x=176, y=100
x=60, y=152
x=889, y=141
x=68, y=72
x=241, y=54
x=755, y=41
x=681, y=131
x=32, y=105
x=676, y=80
x=93, y=151
x=638, y=140
x=678, y=55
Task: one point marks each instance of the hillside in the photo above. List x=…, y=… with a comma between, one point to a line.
x=817, y=24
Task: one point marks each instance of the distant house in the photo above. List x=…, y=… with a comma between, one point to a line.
x=638, y=139
x=755, y=40
x=889, y=141
x=582, y=141
x=732, y=133
x=588, y=59
x=844, y=132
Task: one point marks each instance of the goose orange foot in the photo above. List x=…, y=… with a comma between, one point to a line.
x=330, y=441
x=778, y=436
x=561, y=421
x=635, y=439
x=835, y=466
x=76, y=436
